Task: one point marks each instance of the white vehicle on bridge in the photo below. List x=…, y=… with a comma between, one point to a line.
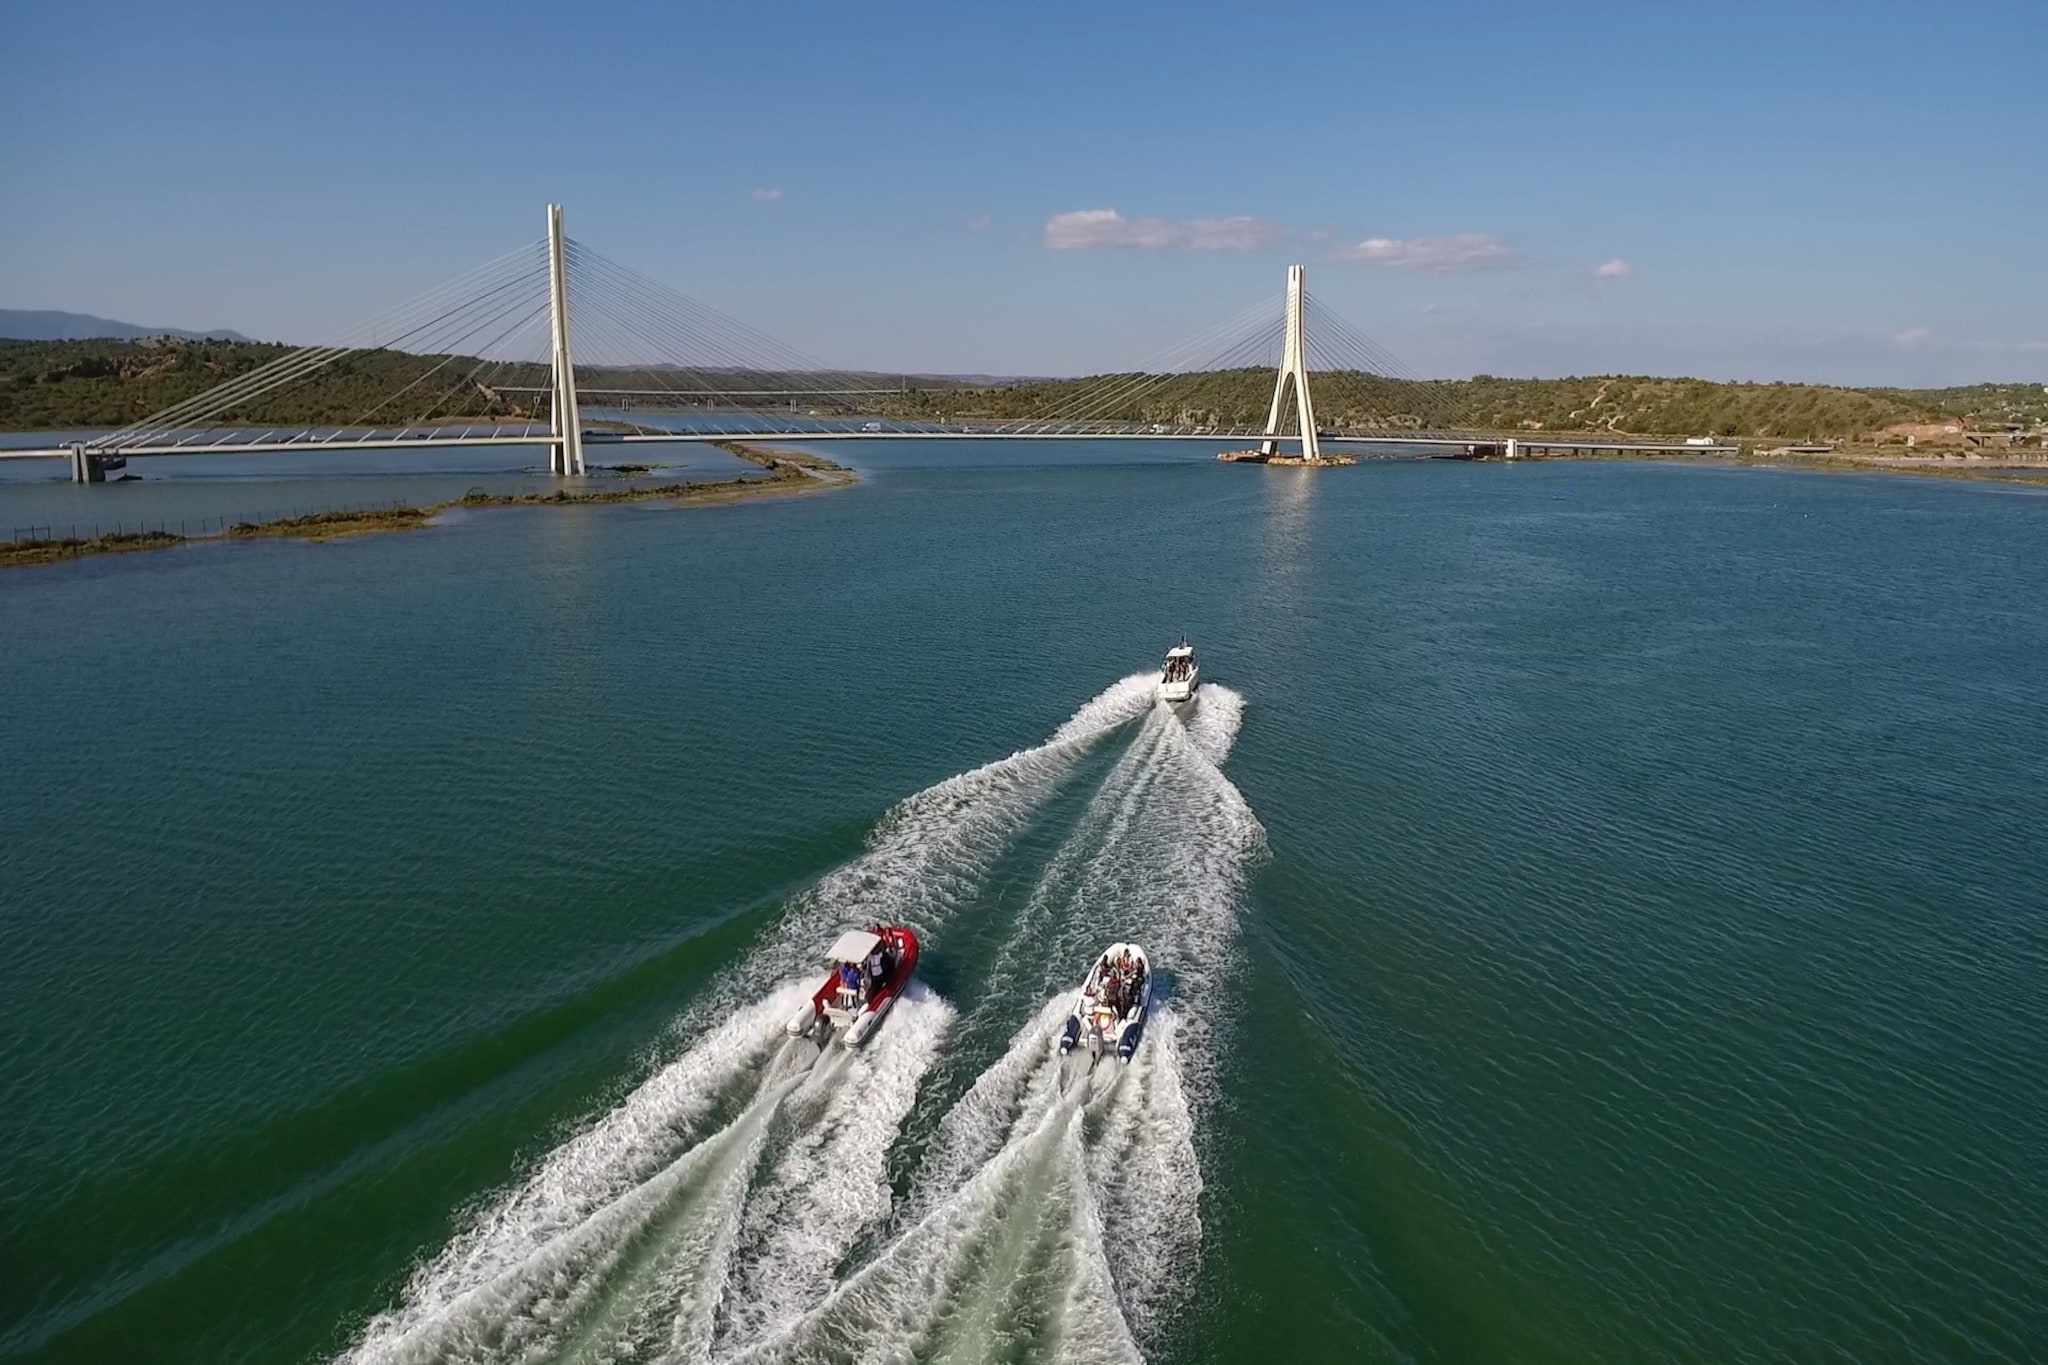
x=1180, y=675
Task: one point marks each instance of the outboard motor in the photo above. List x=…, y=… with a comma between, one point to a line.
x=1129, y=1042
x=1071, y=1036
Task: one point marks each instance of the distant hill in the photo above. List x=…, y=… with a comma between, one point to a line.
x=1616, y=405
x=29, y=324
x=56, y=385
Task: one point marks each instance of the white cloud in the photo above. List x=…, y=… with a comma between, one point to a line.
x=766, y=196
x=1104, y=229
x=1437, y=255
x=1616, y=269
x=1927, y=340
x=980, y=221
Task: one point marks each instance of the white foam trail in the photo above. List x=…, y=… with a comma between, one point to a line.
x=817, y=1190
x=1132, y=1169
x=1218, y=715
x=1135, y=816
x=533, y=1258
x=1123, y=700
x=1012, y=1260
x=602, y=1184
x=1145, y=1176
x=1172, y=879
x=830, y=1185
x=1096, y=844
x=1158, y=858
x=1013, y=1095
x=928, y=854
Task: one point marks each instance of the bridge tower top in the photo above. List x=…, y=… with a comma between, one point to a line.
x=1294, y=367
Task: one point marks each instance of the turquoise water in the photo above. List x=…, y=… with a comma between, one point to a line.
x=1604, y=907
x=196, y=494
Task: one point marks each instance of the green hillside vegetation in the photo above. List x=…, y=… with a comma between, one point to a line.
x=100, y=383
x=55, y=385
x=63, y=384
x=1621, y=405
x=1641, y=405
x=1989, y=405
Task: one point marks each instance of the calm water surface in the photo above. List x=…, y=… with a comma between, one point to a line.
x=1604, y=906
x=194, y=494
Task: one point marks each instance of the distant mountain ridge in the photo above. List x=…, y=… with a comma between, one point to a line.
x=31, y=324
x=101, y=382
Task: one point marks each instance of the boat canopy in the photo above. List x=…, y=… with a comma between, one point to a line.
x=1181, y=651
x=853, y=946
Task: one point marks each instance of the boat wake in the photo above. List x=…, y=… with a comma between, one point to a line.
x=757, y=1198
x=1001, y=1252
x=639, y=1219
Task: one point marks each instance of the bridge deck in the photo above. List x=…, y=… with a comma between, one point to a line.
x=533, y=437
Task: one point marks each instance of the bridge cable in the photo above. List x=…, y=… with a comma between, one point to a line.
x=410, y=317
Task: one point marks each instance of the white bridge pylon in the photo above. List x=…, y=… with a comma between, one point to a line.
x=565, y=451
x=1294, y=368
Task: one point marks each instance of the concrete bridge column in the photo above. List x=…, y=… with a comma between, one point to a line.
x=86, y=467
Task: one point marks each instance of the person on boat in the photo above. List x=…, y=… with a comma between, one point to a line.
x=878, y=968
x=849, y=982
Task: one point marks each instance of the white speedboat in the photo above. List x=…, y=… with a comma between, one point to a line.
x=1109, y=1014
x=1180, y=675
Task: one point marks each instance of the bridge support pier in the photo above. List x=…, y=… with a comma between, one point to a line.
x=89, y=466
x=565, y=451
x=1294, y=366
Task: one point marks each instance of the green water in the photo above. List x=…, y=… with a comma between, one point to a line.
x=1605, y=910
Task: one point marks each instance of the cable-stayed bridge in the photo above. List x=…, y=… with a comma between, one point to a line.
x=556, y=344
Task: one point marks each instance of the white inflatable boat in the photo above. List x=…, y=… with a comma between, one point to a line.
x=1109, y=1014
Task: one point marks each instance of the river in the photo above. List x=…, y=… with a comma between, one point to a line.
x=1604, y=908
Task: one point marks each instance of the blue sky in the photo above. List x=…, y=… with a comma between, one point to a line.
x=1801, y=189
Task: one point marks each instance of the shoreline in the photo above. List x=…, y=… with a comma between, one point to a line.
x=793, y=472
x=1981, y=469
x=790, y=473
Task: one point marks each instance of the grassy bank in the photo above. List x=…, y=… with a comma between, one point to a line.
x=789, y=472
x=1844, y=461
x=20, y=553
